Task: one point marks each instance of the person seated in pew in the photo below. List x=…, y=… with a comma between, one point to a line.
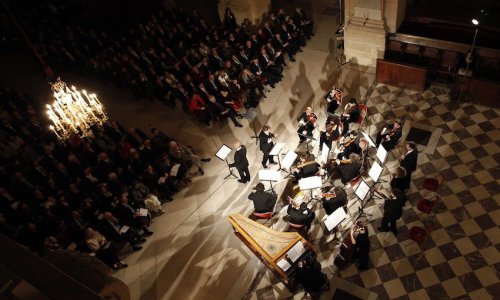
x=263, y=201
x=300, y=215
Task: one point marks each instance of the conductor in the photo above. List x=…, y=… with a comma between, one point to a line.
x=263, y=202
x=241, y=162
x=266, y=145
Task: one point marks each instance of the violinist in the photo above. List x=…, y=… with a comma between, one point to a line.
x=307, y=123
x=350, y=169
x=334, y=99
x=333, y=130
x=348, y=145
x=307, y=168
x=332, y=200
x=351, y=114
x=390, y=135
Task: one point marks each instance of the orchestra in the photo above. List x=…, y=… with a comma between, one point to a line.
x=345, y=167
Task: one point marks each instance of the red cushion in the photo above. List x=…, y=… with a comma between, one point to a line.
x=431, y=184
x=425, y=205
x=296, y=225
x=417, y=234
x=266, y=215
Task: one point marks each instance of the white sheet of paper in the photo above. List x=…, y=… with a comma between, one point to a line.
x=370, y=141
x=324, y=153
x=277, y=148
x=375, y=172
x=381, y=153
x=309, y=183
x=143, y=212
x=283, y=264
x=335, y=218
x=174, y=170
x=296, y=251
x=124, y=229
x=269, y=175
x=223, y=152
x=362, y=190
x=288, y=160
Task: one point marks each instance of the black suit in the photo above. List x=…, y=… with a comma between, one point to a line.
x=308, y=127
x=241, y=163
x=393, y=209
x=390, y=138
x=409, y=161
x=349, y=171
x=332, y=204
x=263, y=201
x=266, y=144
x=300, y=217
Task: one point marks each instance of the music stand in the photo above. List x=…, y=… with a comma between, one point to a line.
x=288, y=161
x=335, y=218
x=310, y=183
x=222, y=154
x=368, y=139
x=275, y=151
x=307, y=140
x=375, y=172
x=381, y=153
x=325, y=153
x=271, y=176
x=363, y=193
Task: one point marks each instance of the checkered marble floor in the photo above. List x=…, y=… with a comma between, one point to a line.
x=460, y=258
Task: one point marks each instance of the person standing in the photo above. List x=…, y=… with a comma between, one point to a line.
x=409, y=159
x=361, y=243
x=241, y=162
x=266, y=144
x=393, y=209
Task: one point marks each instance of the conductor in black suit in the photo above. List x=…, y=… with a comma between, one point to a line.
x=409, y=159
x=266, y=144
x=241, y=162
x=263, y=202
x=393, y=209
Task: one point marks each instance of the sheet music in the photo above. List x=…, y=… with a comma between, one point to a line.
x=288, y=160
x=362, y=190
x=223, y=152
x=324, y=153
x=142, y=212
x=269, y=175
x=174, y=170
x=309, y=183
x=296, y=251
x=335, y=218
x=370, y=141
x=381, y=153
x=283, y=264
x=124, y=229
x=375, y=172
x=277, y=148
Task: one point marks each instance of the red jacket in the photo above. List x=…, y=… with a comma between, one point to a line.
x=196, y=103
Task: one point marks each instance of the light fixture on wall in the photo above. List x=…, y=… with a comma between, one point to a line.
x=74, y=112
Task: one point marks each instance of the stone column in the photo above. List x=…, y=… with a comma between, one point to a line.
x=364, y=34
x=254, y=10
x=367, y=24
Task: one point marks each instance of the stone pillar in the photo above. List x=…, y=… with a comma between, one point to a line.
x=367, y=24
x=254, y=10
x=364, y=34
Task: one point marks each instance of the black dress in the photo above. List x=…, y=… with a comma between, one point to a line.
x=363, y=250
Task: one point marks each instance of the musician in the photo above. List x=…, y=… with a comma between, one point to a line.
x=409, y=159
x=361, y=242
x=393, y=210
x=390, y=135
x=301, y=215
x=334, y=99
x=334, y=199
x=263, y=201
x=351, y=113
x=241, y=162
x=399, y=180
x=350, y=169
x=307, y=123
x=349, y=145
x=266, y=144
x=333, y=130
x=307, y=168
x=311, y=277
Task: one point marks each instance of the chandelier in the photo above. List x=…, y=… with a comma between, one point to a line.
x=74, y=112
